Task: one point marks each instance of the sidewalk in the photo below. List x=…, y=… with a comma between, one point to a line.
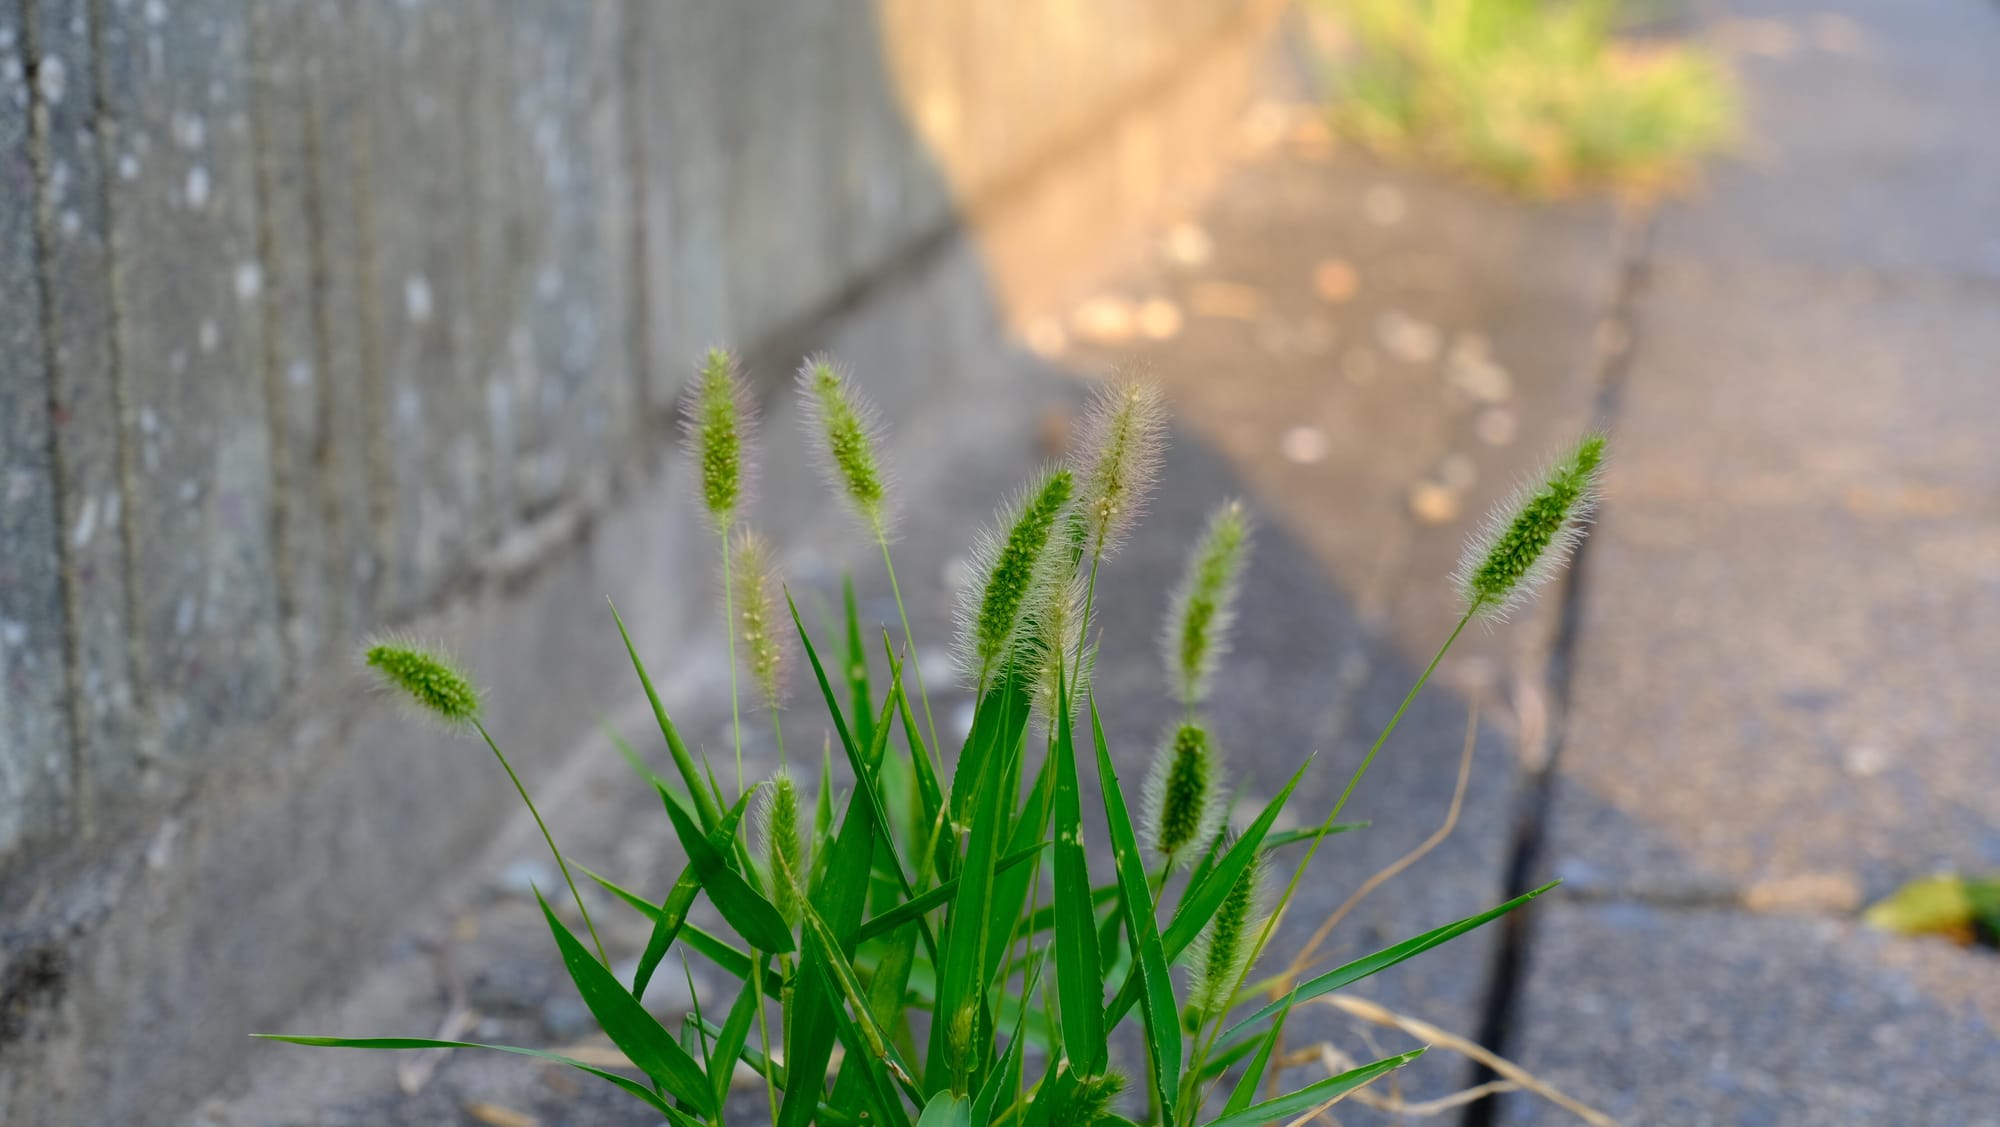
x=1789, y=632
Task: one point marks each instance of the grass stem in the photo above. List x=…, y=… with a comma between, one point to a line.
x=544, y=827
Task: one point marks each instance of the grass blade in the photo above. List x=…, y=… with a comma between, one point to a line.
x=839, y=896
x=961, y=993
x=707, y=803
x=876, y=1050
x=946, y=1110
x=925, y=901
x=753, y=917
x=1380, y=961
x=1206, y=891
x=1313, y=1095
x=636, y=1032
x=1162, y=1015
x=1253, y=1074
x=1008, y=1075
x=856, y=668
x=735, y=1034
x=1079, y=975
x=680, y=898
x=866, y=786
x=631, y=1087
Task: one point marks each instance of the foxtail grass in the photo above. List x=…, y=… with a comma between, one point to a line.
x=950, y=906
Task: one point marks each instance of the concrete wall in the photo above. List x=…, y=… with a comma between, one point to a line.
x=323, y=317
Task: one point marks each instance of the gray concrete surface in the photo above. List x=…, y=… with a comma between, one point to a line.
x=325, y=318
x=1782, y=690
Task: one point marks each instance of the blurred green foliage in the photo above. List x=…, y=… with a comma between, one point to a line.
x=1539, y=95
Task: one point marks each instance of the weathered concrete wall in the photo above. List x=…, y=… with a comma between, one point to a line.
x=325, y=317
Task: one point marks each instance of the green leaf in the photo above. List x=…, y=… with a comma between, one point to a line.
x=961, y=989
x=875, y=1050
x=839, y=896
x=636, y=1032
x=674, y=909
x=734, y=1035
x=1055, y=1099
x=631, y=1087
x=1312, y=1095
x=1008, y=1076
x=706, y=803
x=866, y=787
x=1288, y=837
x=1079, y=976
x=753, y=917
x=925, y=901
x=856, y=671
x=920, y=755
x=946, y=1110
x=1379, y=961
x=1206, y=891
x=1253, y=1074
x=1162, y=1015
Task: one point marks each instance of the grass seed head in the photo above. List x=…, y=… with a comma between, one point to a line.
x=1220, y=952
x=1183, y=792
x=427, y=677
x=1009, y=562
x=844, y=430
x=717, y=427
x=1051, y=653
x=1531, y=537
x=779, y=818
x=1124, y=439
x=1204, y=604
x=754, y=599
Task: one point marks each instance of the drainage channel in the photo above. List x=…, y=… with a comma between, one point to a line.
x=1611, y=364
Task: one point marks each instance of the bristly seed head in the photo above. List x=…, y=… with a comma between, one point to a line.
x=717, y=428
x=1183, y=789
x=1009, y=559
x=1218, y=955
x=1204, y=604
x=1530, y=538
x=778, y=823
x=1052, y=629
x=1124, y=437
x=842, y=425
x=755, y=578
x=427, y=677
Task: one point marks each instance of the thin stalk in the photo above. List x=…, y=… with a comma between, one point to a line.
x=909, y=638
x=1083, y=631
x=544, y=827
x=778, y=734
x=763, y=1036
x=1270, y=924
x=729, y=619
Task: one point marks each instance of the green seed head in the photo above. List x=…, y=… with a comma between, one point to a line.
x=429, y=678
x=1051, y=651
x=1218, y=956
x=1009, y=559
x=779, y=821
x=1530, y=538
x=1092, y=1101
x=1125, y=437
x=1204, y=605
x=843, y=428
x=754, y=576
x=1182, y=796
x=717, y=425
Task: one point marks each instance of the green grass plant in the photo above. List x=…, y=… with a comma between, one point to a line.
x=1543, y=96
x=951, y=925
